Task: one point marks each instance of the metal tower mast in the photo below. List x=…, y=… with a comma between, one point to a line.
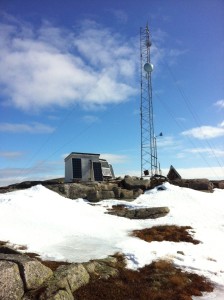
x=149, y=163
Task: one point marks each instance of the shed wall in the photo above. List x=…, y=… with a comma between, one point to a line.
x=86, y=166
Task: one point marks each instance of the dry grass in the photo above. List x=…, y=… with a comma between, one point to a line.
x=171, y=233
x=53, y=265
x=160, y=280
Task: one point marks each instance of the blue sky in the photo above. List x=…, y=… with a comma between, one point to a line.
x=70, y=82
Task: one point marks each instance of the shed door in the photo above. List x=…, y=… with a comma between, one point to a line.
x=97, y=171
x=77, y=168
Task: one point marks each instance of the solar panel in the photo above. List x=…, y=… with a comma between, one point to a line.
x=97, y=169
x=77, y=168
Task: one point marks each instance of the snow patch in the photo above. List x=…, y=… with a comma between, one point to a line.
x=73, y=230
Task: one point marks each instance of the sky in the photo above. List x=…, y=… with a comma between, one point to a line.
x=70, y=82
x=66, y=235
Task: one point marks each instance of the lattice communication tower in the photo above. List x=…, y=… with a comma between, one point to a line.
x=149, y=162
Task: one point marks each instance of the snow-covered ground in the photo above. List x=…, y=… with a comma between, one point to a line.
x=74, y=230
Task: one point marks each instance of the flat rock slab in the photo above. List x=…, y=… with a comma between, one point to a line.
x=67, y=279
x=32, y=272
x=139, y=213
x=11, y=284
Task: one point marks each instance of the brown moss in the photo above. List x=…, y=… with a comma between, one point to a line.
x=2, y=243
x=53, y=265
x=22, y=247
x=160, y=280
x=171, y=233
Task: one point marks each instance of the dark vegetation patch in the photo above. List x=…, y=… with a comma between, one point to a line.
x=4, y=249
x=160, y=280
x=2, y=243
x=171, y=233
x=53, y=265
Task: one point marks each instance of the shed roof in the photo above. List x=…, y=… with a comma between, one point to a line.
x=81, y=153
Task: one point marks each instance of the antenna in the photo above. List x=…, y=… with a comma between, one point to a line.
x=149, y=162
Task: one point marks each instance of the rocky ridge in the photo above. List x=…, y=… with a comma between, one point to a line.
x=26, y=278
x=127, y=188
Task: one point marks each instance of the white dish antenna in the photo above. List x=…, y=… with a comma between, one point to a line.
x=148, y=67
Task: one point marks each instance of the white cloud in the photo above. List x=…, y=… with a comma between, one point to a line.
x=209, y=151
x=159, y=36
x=90, y=119
x=220, y=103
x=160, y=53
x=41, y=170
x=11, y=154
x=177, y=52
x=53, y=66
x=25, y=128
x=114, y=158
x=213, y=173
x=165, y=141
x=204, y=132
x=120, y=15
x=106, y=51
x=181, y=119
x=221, y=124
x=169, y=143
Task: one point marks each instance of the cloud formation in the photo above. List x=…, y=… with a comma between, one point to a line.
x=220, y=103
x=41, y=170
x=11, y=154
x=221, y=124
x=214, y=173
x=114, y=158
x=45, y=66
x=90, y=119
x=25, y=128
x=204, y=132
x=209, y=151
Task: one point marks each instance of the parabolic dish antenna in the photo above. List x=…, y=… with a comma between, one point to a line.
x=148, y=67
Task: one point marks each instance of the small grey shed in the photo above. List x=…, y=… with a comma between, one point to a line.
x=86, y=167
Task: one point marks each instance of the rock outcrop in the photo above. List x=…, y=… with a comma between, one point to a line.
x=128, y=188
x=67, y=279
x=135, y=183
x=11, y=284
x=195, y=184
x=20, y=274
x=219, y=184
x=140, y=213
x=25, y=278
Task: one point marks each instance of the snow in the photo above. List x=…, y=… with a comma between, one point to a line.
x=58, y=228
